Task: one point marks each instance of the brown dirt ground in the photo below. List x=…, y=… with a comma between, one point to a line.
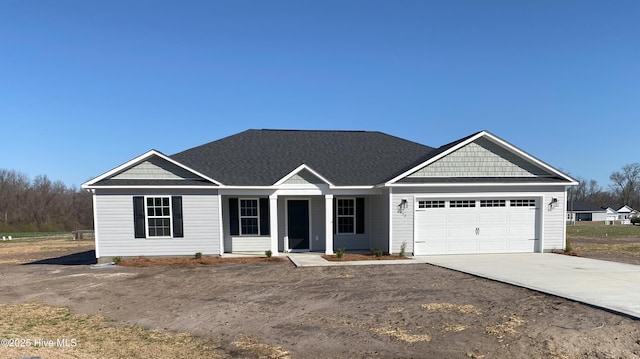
x=274, y=310
x=347, y=257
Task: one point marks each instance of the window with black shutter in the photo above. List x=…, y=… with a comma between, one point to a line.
x=157, y=217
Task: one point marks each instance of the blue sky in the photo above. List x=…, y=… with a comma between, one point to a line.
x=88, y=85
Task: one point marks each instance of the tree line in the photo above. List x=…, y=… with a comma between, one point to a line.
x=41, y=205
x=624, y=189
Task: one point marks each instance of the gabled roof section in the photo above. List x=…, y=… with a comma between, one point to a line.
x=481, y=158
x=265, y=157
x=151, y=169
x=303, y=175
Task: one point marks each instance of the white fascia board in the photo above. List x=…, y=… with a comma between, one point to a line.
x=297, y=170
x=279, y=187
x=141, y=158
x=155, y=187
x=494, y=184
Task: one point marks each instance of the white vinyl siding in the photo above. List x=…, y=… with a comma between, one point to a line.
x=115, y=234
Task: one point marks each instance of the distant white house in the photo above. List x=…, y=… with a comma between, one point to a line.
x=578, y=211
x=622, y=213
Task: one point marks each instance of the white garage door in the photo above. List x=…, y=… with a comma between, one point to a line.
x=459, y=226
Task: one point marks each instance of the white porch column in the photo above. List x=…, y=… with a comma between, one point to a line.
x=328, y=230
x=273, y=223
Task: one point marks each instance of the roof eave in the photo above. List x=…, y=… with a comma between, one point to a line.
x=477, y=184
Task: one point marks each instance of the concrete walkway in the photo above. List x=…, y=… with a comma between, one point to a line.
x=610, y=285
x=311, y=259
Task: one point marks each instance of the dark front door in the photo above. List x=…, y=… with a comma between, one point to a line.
x=298, y=224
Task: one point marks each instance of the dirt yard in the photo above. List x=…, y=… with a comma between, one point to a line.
x=274, y=310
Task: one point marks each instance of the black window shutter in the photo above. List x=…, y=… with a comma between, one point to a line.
x=264, y=216
x=138, y=217
x=176, y=208
x=335, y=216
x=359, y=215
x=234, y=220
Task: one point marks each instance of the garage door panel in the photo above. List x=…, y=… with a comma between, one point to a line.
x=494, y=227
x=522, y=233
x=463, y=216
x=462, y=247
x=522, y=246
x=499, y=232
x=493, y=218
x=460, y=233
x=492, y=246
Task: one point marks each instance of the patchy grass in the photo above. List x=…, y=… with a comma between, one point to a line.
x=402, y=335
x=450, y=307
x=31, y=249
x=191, y=261
x=453, y=328
x=250, y=344
x=607, y=247
x=505, y=328
x=346, y=257
x=90, y=336
x=599, y=230
x=37, y=235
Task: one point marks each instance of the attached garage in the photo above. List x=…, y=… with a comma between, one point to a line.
x=476, y=225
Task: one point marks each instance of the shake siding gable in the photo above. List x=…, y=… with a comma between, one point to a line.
x=480, y=158
x=154, y=168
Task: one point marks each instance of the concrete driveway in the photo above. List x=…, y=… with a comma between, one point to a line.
x=610, y=285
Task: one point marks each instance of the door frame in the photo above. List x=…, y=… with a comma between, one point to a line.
x=286, y=220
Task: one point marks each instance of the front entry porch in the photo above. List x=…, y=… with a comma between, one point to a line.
x=284, y=223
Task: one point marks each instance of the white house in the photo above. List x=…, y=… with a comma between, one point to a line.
x=283, y=190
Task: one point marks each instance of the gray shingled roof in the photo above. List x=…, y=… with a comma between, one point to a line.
x=582, y=206
x=345, y=158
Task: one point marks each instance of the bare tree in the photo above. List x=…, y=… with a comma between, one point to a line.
x=41, y=205
x=586, y=190
x=626, y=184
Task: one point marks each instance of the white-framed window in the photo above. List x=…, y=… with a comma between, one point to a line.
x=158, y=211
x=249, y=217
x=522, y=203
x=493, y=203
x=462, y=203
x=346, y=215
x=430, y=204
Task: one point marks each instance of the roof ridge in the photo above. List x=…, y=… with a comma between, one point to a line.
x=294, y=130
